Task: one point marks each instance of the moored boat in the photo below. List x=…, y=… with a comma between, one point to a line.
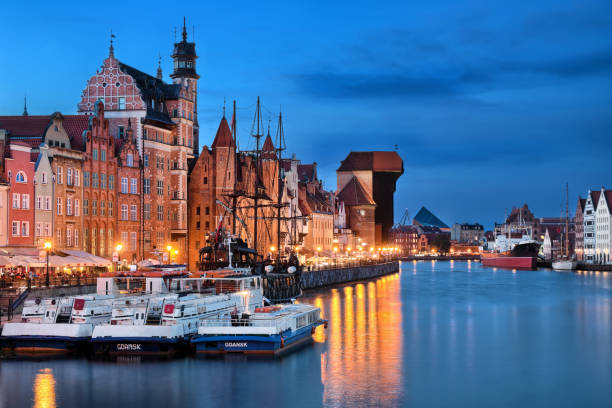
x=271, y=330
x=136, y=333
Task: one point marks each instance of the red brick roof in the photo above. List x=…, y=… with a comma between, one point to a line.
x=375, y=161
x=595, y=197
x=25, y=125
x=354, y=194
x=582, y=202
x=307, y=172
x=74, y=126
x=223, y=138
x=267, y=151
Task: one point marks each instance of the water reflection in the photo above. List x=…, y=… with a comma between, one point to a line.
x=363, y=364
x=44, y=389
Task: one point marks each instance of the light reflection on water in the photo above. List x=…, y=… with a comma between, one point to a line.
x=435, y=334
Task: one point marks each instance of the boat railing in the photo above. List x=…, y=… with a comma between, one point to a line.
x=274, y=322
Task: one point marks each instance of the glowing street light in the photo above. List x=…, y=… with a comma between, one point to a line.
x=47, y=247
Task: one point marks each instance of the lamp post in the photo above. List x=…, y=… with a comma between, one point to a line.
x=175, y=255
x=118, y=249
x=47, y=250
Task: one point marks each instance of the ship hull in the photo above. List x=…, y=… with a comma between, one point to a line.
x=564, y=265
x=138, y=346
x=510, y=262
x=42, y=344
x=251, y=344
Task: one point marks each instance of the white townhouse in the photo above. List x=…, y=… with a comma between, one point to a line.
x=589, y=225
x=603, y=227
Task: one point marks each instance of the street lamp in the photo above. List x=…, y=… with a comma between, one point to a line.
x=47, y=246
x=175, y=255
x=169, y=249
x=118, y=249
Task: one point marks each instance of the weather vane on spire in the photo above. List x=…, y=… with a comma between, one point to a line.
x=111, y=50
x=184, y=30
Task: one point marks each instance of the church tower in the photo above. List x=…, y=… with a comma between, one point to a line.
x=184, y=56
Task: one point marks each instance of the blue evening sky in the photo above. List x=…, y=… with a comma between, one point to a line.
x=491, y=105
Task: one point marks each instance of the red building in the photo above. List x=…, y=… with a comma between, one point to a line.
x=19, y=171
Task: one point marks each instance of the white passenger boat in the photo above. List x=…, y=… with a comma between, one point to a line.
x=564, y=264
x=56, y=325
x=180, y=317
x=269, y=330
x=65, y=324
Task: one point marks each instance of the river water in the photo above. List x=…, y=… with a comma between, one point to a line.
x=436, y=334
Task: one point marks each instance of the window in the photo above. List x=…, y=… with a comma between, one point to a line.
x=147, y=240
x=94, y=180
x=102, y=180
x=39, y=202
x=68, y=206
x=207, y=211
x=77, y=182
x=144, y=133
x=21, y=177
x=147, y=212
x=85, y=207
x=160, y=187
x=48, y=203
x=60, y=175
x=76, y=238
x=124, y=185
x=95, y=154
x=205, y=180
x=174, y=113
x=110, y=208
x=86, y=178
x=133, y=241
x=102, y=207
x=133, y=186
x=59, y=205
x=198, y=210
x=147, y=186
x=16, y=198
x=38, y=230
x=25, y=201
x=76, y=211
x=133, y=213
x=44, y=177
x=15, y=231
x=68, y=237
x=111, y=182
x=121, y=103
x=124, y=211
x=160, y=212
x=103, y=155
x=146, y=159
x=124, y=237
x=130, y=160
x=207, y=224
x=47, y=229
x=94, y=207
x=69, y=176
x=25, y=229
x=160, y=238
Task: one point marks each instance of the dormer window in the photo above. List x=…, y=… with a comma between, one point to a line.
x=44, y=177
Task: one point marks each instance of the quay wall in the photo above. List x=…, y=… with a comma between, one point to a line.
x=474, y=257
x=328, y=277
x=593, y=267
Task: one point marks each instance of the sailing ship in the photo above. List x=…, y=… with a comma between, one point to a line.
x=251, y=199
x=564, y=262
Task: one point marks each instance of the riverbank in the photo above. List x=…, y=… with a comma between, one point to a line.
x=329, y=277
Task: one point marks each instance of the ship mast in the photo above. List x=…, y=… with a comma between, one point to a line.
x=280, y=148
x=257, y=137
x=566, y=220
x=234, y=197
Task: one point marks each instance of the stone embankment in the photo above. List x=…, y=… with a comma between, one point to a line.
x=328, y=277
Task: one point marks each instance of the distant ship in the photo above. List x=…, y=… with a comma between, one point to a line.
x=514, y=249
x=523, y=255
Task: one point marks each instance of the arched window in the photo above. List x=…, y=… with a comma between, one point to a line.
x=21, y=177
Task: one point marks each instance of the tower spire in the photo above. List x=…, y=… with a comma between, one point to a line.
x=111, y=50
x=159, y=70
x=184, y=30
x=25, y=106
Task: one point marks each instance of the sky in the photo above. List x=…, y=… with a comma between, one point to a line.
x=490, y=105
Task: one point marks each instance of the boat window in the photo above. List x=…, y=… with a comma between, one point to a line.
x=47, y=313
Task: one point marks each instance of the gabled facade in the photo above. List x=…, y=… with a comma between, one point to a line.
x=19, y=172
x=579, y=225
x=129, y=200
x=603, y=227
x=44, y=192
x=590, y=215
